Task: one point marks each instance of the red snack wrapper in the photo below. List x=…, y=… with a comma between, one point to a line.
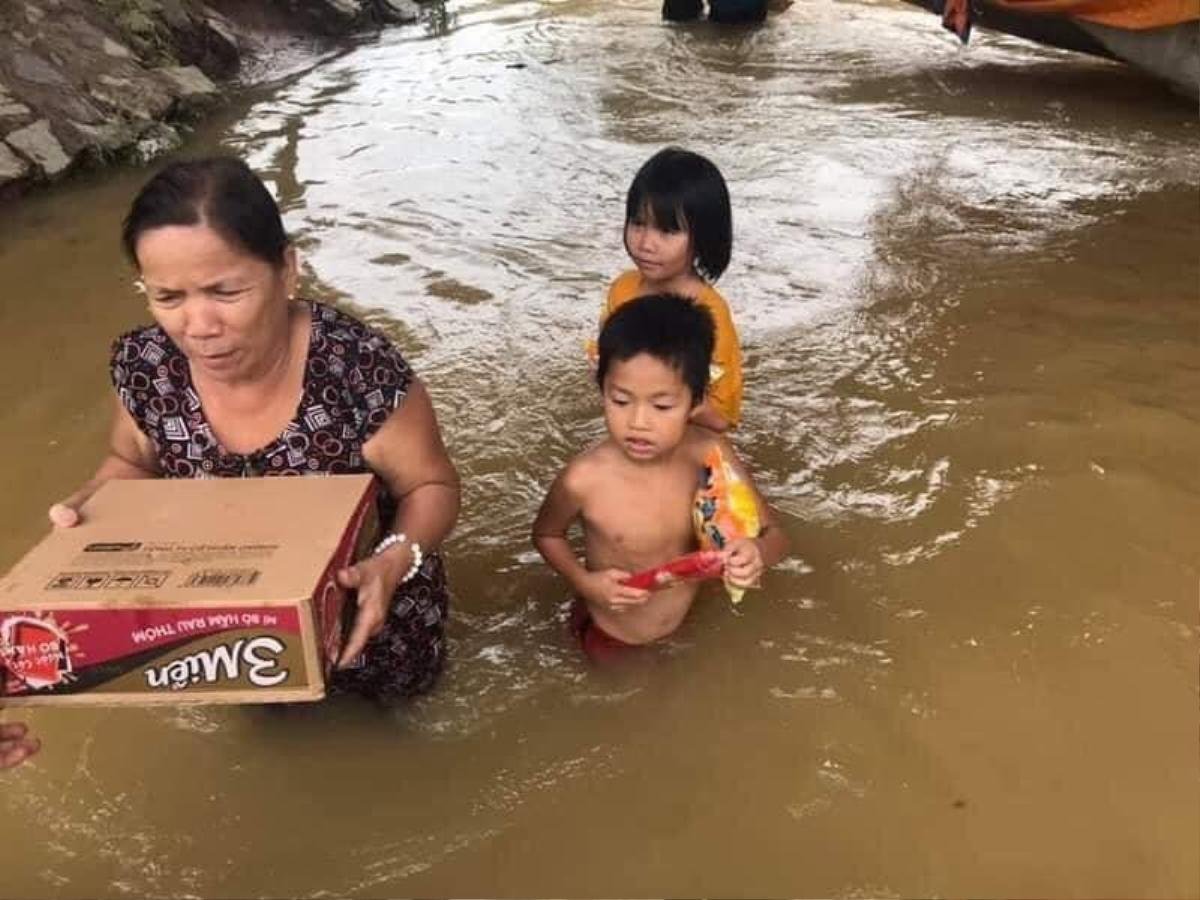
x=693, y=567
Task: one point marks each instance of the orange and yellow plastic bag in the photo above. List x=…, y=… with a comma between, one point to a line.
x=725, y=509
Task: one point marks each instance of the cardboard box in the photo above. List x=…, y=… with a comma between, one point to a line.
x=192, y=590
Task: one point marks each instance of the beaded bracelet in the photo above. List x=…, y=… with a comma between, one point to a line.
x=391, y=540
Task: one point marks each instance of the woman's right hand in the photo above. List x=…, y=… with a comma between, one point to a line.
x=65, y=513
x=131, y=455
x=604, y=589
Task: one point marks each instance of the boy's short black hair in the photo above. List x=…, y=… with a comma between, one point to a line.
x=672, y=329
x=683, y=190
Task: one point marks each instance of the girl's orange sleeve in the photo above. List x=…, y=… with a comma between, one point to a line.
x=623, y=289
x=725, y=389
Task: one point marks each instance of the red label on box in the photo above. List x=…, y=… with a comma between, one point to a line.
x=70, y=651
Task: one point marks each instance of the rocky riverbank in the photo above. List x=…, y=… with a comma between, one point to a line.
x=83, y=82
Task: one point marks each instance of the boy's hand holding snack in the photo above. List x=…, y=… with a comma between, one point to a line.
x=605, y=588
x=743, y=563
x=727, y=518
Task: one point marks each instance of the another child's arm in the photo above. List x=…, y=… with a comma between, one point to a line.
x=747, y=558
x=706, y=416
x=561, y=507
x=722, y=407
x=592, y=347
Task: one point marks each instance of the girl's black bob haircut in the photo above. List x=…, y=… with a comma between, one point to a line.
x=680, y=190
x=674, y=330
x=218, y=191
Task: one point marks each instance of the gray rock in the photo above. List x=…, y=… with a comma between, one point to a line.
x=346, y=10
x=84, y=33
x=10, y=108
x=223, y=29
x=107, y=138
x=139, y=98
x=72, y=105
x=136, y=22
x=175, y=14
x=332, y=17
x=158, y=139
x=28, y=66
x=112, y=48
x=399, y=11
x=12, y=167
x=186, y=81
x=38, y=143
x=211, y=44
x=33, y=14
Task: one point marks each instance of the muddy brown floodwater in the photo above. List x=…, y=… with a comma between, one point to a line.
x=968, y=285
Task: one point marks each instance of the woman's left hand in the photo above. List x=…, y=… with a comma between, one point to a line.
x=743, y=563
x=408, y=455
x=375, y=579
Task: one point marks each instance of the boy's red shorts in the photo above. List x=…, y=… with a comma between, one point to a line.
x=597, y=644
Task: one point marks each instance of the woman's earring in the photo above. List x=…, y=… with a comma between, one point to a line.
x=139, y=287
x=700, y=270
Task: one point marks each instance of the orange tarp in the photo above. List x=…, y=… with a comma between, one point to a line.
x=1136, y=15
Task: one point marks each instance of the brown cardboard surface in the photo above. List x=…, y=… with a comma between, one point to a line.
x=191, y=590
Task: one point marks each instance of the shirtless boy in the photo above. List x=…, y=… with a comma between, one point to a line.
x=633, y=492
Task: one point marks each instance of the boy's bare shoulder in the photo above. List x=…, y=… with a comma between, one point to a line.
x=589, y=469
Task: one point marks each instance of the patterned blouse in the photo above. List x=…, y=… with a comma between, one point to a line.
x=354, y=378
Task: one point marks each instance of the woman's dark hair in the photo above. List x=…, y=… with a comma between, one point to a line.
x=683, y=190
x=219, y=191
x=673, y=329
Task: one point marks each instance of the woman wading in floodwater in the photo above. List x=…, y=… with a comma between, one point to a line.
x=239, y=378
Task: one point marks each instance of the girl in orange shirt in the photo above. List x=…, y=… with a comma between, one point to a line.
x=679, y=234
